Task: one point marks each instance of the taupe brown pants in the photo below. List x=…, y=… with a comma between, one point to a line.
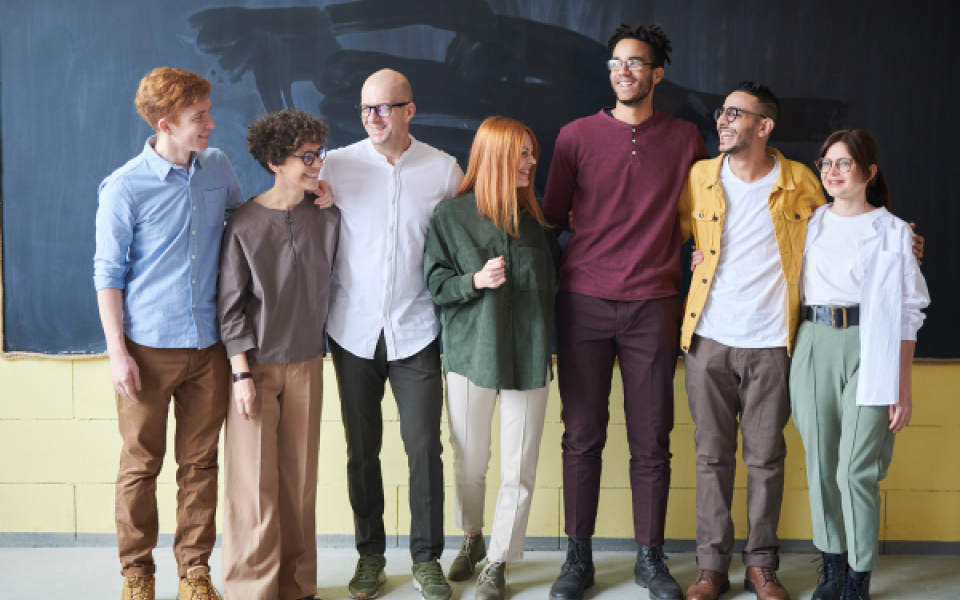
x=270, y=468
x=197, y=380
x=731, y=388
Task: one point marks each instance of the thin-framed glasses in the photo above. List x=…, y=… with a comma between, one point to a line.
x=732, y=113
x=843, y=164
x=309, y=157
x=383, y=110
x=633, y=63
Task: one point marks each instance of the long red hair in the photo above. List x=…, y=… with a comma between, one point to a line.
x=492, y=174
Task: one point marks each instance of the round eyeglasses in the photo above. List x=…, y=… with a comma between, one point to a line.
x=843, y=164
x=382, y=110
x=309, y=157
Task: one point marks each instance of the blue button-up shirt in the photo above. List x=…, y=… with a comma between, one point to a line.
x=158, y=238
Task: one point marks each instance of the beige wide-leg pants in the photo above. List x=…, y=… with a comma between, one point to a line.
x=270, y=495
x=470, y=412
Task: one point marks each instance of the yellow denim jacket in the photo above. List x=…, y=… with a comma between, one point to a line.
x=794, y=197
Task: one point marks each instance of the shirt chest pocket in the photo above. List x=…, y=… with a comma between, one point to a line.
x=214, y=204
x=795, y=222
x=706, y=224
x=531, y=274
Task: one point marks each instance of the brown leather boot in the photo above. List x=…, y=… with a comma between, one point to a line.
x=708, y=586
x=763, y=582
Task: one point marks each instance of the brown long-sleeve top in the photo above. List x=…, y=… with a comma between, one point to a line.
x=275, y=281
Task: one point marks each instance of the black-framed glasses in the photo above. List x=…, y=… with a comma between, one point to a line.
x=633, y=63
x=309, y=157
x=843, y=164
x=383, y=110
x=732, y=113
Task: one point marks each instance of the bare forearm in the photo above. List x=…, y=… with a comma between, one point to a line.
x=110, y=301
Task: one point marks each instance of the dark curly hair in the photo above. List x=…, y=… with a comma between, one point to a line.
x=274, y=137
x=768, y=101
x=652, y=35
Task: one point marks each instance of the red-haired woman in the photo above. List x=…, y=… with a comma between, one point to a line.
x=491, y=263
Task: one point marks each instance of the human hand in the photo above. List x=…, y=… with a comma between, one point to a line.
x=493, y=274
x=324, y=195
x=125, y=375
x=244, y=393
x=901, y=412
x=696, y=258
x=918, y=243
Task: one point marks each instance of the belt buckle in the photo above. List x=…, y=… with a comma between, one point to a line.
x=833, y=317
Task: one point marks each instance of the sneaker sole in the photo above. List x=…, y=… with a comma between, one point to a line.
x=419, y=588
x=381, y=579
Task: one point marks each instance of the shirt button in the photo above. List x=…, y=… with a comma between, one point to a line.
x=693, y=314
x=634, y=130
x=194, y=208
x=715, y=218
x=384, y=313
x=194, y=306
x=634, y=152
x=700, y=216
x=713, y=252
x=193, y=281
x=193, y=257
x=634, y=141
x=391, y=229
x=704, y=280
x=193, y=233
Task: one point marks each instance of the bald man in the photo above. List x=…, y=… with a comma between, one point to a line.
x=382, y=324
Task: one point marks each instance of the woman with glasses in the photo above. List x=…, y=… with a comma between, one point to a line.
x=276, y=258
x=491, y=264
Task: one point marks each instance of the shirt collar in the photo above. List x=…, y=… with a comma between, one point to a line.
x=376, y=156
x=159, y=164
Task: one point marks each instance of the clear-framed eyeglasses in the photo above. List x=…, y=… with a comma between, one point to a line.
x=634, y=64
x=843, y=164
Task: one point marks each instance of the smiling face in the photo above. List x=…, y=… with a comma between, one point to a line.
x=293, y=173
x=744, y=131
x=526, y=161
x=192, y=130
x=851, y=185
x=390, y=132
x=632, y=87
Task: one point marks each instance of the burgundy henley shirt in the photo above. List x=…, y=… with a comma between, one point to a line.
x=622, y=183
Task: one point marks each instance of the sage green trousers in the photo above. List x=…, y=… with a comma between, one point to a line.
x=848, y=447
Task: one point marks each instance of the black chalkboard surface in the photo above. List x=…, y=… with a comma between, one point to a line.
x=69, y=71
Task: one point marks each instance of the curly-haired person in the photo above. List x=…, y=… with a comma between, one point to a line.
x=276, y=259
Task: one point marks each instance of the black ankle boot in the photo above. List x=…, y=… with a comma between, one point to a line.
x=576, y=574
x=856, y=586
x=832, y=571
x=651, y=572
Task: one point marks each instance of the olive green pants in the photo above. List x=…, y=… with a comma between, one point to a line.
x=848, y=447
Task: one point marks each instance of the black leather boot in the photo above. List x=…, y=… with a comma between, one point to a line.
x=576, y=574
x=856, y=586
x=651, y=572
x=831, y=572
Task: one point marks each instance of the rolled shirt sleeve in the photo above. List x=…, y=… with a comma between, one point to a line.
x=115, y=222
x=916, y=297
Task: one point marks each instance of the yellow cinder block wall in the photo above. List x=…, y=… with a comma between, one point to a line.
x=59, y=450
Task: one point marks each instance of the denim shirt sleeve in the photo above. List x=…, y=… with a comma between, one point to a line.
x=115, y=224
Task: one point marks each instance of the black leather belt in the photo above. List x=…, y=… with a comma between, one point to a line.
x=838, y=317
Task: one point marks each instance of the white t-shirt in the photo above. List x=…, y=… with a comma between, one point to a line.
x=831, y=273
x=748, y=298
x=385, y=211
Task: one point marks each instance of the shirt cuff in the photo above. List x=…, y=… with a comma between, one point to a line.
x=241, y=344
x=106, y=282
x=466, y=288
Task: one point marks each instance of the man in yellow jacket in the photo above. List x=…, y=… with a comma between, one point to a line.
x=739, y=323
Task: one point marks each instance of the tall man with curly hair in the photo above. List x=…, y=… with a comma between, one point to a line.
x=616, y=176
x=158, y=230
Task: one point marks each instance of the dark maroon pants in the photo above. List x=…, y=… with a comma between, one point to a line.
x=643, y=336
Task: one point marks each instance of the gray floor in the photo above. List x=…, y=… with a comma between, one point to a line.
x=93, y=573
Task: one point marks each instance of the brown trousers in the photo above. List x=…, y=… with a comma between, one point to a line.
x=270, y=486
x=731, y=387
x=198, y=381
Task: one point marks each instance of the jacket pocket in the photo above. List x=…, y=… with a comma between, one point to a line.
x=706, y=225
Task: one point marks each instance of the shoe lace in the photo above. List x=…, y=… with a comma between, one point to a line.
x=202, y=588
x=703, y=576
x=489, y=573
x=368, y=567
x=767, y=575
x=852, y=589
x=140, y=588
x=467, y=546
x=430, y=573
x=655, y=559
x=830, y=569
x=576, y=560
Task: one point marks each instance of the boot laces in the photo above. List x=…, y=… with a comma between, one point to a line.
x=467, y=546
x=767, y=575
x=576, y=560
x=140, y=588
x=830, y=569
x=202, y=588
x=431, y=574
x=703, y=576
x=368, y=567
x=489, y=573
x=655, y=559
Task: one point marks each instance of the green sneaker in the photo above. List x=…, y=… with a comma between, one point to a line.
x=492, y=583
x=428, y=579
x=472, y=551
x=368, y=577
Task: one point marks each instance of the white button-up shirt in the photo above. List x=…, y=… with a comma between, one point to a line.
x=893, y=293
x=385, y=213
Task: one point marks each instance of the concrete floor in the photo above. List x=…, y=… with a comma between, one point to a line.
x=93, y=574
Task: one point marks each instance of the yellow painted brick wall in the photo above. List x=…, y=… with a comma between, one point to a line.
x=59, y=449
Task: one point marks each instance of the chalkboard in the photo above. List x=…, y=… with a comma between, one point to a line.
x=69, y=71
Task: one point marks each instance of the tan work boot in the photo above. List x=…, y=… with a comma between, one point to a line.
x=138, y=587
x=709, y=585
x=763, y=582
x=197, y=586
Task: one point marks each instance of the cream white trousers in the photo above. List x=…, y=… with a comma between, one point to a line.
x=470, y=410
